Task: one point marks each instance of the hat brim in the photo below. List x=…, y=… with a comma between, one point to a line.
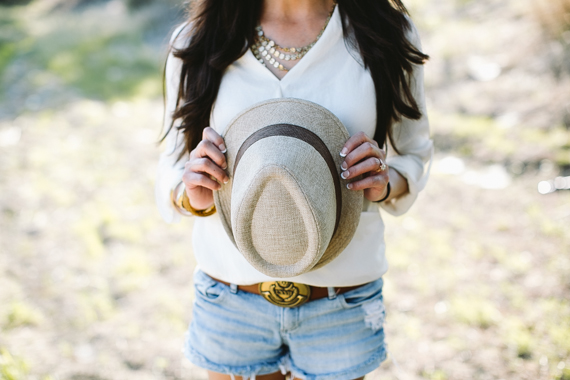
x=314, y=118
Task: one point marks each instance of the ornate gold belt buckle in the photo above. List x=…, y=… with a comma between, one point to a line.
x=284, y=293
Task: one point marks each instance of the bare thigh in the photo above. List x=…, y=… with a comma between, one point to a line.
x=271, y=376
x=221, y=376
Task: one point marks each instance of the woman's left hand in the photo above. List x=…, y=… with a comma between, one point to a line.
x=363, y=156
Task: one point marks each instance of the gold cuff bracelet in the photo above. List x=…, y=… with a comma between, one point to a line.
x=181, y=203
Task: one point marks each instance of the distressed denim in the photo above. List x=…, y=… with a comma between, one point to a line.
x=243, y=334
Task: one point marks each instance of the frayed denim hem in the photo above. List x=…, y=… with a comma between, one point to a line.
x=352, y=373
x=246, y=372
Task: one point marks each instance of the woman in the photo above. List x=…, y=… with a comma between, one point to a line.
x=361, y=60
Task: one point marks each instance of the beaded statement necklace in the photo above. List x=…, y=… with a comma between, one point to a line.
x=265, y=49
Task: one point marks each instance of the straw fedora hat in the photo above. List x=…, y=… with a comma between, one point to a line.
x=284, y=206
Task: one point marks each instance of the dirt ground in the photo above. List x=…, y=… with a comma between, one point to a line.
x=95, y=286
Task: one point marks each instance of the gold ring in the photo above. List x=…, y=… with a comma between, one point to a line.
x=381, y=166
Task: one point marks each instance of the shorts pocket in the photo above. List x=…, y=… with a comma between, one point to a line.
x=208, y=289
x=362, y=295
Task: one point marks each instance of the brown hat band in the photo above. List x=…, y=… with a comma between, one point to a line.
x=303, y=134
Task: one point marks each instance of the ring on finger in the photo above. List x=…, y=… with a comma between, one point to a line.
x=381, y=165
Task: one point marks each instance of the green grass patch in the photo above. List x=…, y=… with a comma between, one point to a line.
x=107, y=67
x=127, y=232
x=441, y=245
x=520, y=337
x=12, y=367
x=437, y=374
x=133, y=271
x=19, y=313
x=93, y=307
x=557, y=324
x=564, y=375
x=544, y=223
x=91, y=229
x=134, y=264
x=475, y=311
x=75, y=52
x=90, y=236
x=7, y=52
x=10, y=33
x=485, y=138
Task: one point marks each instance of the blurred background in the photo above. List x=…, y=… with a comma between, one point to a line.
x=95, y=286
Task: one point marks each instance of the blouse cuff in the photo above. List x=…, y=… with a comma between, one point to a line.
x=411, y=167
x=166, y=181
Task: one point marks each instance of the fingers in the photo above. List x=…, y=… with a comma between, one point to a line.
x=361, y=153
x=210, y=134
x=372, y=165
x=208, y=149
x=374, y=181
x=207, y=164
x=354, y=141
x=363, y=157
x=193, y=180
x=206, y=168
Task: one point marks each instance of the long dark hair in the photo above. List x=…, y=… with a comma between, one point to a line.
x=375, y=28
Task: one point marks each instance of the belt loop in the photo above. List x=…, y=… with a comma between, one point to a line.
x=233, y=288
x=332, y=293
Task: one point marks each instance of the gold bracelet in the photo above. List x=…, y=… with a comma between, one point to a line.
x=176, y=199
x=181, y=203
x=186, y=204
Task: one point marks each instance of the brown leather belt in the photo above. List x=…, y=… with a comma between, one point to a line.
x=288, y=294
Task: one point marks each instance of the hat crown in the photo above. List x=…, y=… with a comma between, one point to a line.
x=267, y=238
x=285, y=216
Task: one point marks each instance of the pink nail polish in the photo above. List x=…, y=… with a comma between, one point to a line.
x=343, y=152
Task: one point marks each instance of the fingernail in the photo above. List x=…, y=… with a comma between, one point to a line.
x=226, y=180
x=349, y=186
x=344, y=175
x=343, y=152
x=343, y=166
x=223, y=148
x=225, y=166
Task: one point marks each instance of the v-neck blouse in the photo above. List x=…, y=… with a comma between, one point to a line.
x=330, y=74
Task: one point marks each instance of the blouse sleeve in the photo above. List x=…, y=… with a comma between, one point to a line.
x=412, y=138
x=170, y=169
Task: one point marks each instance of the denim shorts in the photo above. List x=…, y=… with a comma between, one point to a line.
x=243, y=334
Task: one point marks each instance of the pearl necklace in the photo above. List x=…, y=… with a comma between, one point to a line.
x=265, y=48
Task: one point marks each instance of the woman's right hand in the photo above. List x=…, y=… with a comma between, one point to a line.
x=206, y=161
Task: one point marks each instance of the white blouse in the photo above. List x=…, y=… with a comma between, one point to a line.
x=330, y=74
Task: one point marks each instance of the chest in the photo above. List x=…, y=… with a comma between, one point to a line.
x=329, y=75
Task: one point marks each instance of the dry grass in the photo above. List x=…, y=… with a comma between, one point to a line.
x=553, y=15
x=93, y=285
